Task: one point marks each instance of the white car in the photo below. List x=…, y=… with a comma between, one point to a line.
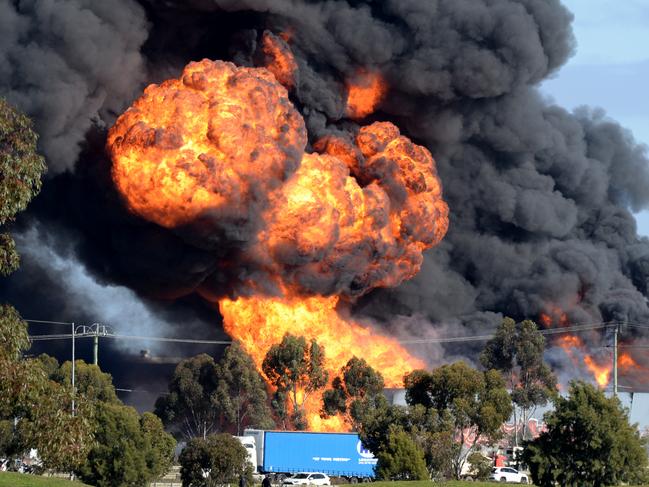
x=508, y=474
x=306, y=478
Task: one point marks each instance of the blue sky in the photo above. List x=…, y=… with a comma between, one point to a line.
x=610, y=70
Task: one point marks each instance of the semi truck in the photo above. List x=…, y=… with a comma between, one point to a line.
x=282, y=453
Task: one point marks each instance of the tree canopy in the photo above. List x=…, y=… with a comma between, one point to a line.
x=295, y=368
x=433, y=433
x=129, y=449
x=357, y=380
x=214, y=461
x=589, y=442
x=90, y=382
x=37, y=408
x=21, y=169
x=189, y=407
x=206, y=396
x=401, y=458
x=516, y=350
x=241, y=392
x=475, y=403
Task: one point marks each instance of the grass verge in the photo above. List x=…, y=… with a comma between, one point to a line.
x=428, y=483
x=12, y=479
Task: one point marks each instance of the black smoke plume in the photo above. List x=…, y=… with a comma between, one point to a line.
x=541, y=199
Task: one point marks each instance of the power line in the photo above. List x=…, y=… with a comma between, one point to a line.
x=552, y=331
x=142, y=391
x=636, y=325
x=47, y=322
x=117, y=336
x=165, y=339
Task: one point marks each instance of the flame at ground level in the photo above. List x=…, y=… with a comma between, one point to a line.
x=259, y=322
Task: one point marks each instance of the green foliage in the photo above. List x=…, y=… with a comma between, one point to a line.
x=62, y=440
x=9, y=258
x=432, y=433
x=90, y=381
x=440, y=449
x=36, y=412
x=38, y=409
x=6, y=436
x=205, y=396
x=14, y=339
x=357, y=380
x=49, y=364
x=216, y=460
x=129, y=450
x=480, y=466
x=589, y=442
x=241, y=392
x=375, y=416
x=401, y=458
x=516, y=350
x=294, y=366
x=474, y=404
x=159, y=446
x=190, y=405
x=21, y=169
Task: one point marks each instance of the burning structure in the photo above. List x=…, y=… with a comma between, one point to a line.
x=335, y=136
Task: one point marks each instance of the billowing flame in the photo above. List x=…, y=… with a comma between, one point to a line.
x=554, y=316
x=279, y=59
x=209, y=142
x=575, y=348
x=260, y=322
x=339, y=233
x=626, y=363
x=634, y=373
x=224, y=143
x=365, y=90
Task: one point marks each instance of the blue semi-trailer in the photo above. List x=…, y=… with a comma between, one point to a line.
x=336, y=454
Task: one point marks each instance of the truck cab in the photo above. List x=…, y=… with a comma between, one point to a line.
x=249, y=444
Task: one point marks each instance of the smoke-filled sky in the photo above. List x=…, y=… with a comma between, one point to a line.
x=609, y=70
x=610, y=66
x=541, y=198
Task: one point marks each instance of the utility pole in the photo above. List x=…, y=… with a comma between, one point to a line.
x=73, y=390
x=97, y=330
x=615, y=332
x=95, y=348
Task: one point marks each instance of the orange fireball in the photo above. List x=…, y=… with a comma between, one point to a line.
x=215, y=141
x=334, y=233
x=223, y=142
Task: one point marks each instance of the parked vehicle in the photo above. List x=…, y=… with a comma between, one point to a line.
x=508, y=474
x=248, y=443
x=306, y=478
x=284, y=453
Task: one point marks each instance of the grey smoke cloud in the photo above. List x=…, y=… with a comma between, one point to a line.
x=67, y=63
x=540, y=198
x=78, y=294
